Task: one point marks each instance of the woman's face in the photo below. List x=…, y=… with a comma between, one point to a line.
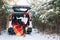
x=24, y=15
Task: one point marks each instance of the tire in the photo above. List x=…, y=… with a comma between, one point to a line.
x=11, y=31
x=29, y=31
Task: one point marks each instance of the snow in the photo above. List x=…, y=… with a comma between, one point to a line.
x=33, y=36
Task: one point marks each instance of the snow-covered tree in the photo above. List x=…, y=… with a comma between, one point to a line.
x=46, y=12
x=3, y=16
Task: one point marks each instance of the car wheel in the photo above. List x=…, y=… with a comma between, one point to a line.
x=29, y=31
x=11, y=31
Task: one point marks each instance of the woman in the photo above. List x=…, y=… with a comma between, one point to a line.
x=25, y=25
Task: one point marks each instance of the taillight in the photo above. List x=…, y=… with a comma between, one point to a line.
x=30, y=17
x=10, y=17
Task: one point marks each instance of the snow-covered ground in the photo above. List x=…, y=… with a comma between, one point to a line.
x=34, y=36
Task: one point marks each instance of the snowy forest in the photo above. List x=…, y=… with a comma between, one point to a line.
x=45, y=15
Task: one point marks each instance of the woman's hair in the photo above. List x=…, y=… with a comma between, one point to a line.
x=24, y=13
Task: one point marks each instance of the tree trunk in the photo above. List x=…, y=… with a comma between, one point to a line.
x=3, y=21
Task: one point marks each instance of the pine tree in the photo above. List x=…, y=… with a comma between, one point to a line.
x=3, y=16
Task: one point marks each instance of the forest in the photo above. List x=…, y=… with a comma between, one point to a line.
x=45, y=15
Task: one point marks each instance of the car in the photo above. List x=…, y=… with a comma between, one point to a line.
x=22, y=18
